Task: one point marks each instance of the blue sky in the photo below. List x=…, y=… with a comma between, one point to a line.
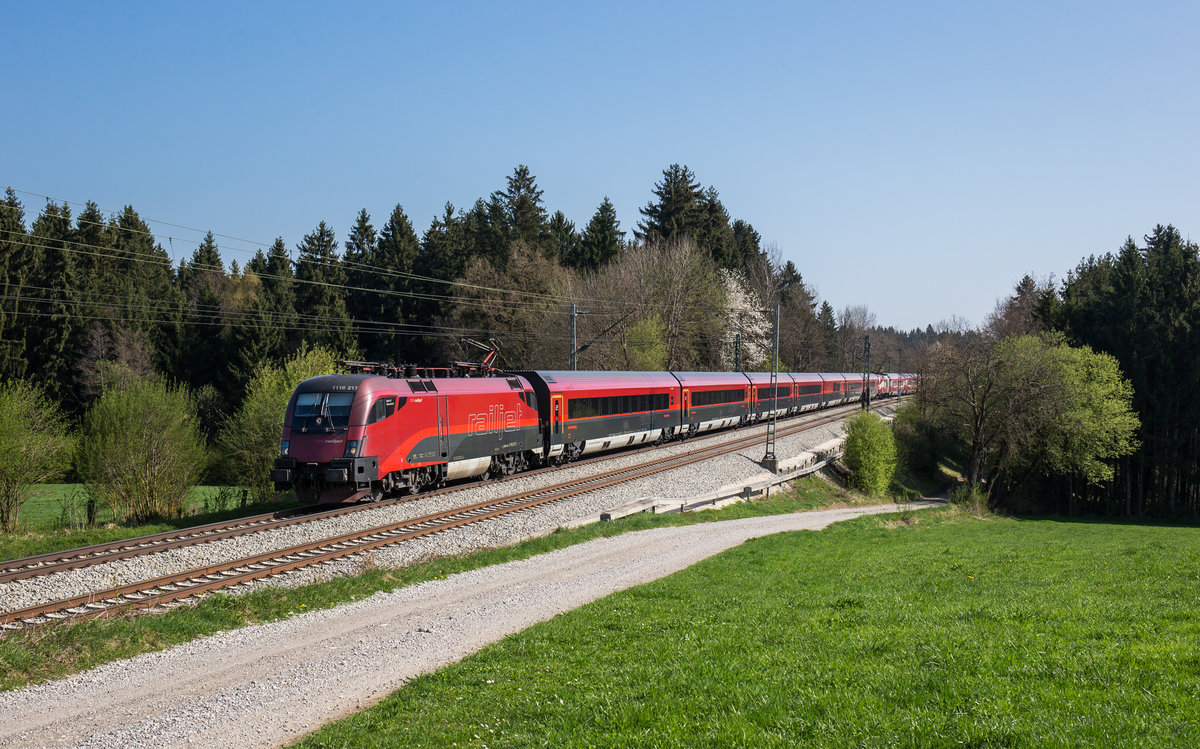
x=917, y=158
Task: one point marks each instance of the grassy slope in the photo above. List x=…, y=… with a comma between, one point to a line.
x=948, y=631
x=54, y=651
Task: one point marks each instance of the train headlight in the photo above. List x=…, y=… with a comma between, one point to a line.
x=354, y=447
x=283, y=448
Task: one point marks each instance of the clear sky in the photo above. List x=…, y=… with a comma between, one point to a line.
x=918, y=158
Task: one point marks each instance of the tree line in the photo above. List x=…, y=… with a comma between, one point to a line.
x=1076, y=397
x=139, y=376
x=93, y=301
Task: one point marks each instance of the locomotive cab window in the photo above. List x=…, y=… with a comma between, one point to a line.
x=322, y=412
x=382, y=408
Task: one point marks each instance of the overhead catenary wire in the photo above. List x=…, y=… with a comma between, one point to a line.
x=226, y=314
x=343, y=263
x=123, y=254
x=180, y=314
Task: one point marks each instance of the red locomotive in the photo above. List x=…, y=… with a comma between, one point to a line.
x=363, y=436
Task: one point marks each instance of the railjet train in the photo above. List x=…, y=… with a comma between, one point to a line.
x=354, y=437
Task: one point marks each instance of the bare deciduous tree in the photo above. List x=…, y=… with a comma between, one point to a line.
x=115, y=358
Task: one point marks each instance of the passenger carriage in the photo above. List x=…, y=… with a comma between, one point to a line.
x=712, y=400
x=588, y=412
x=764, y=403
x=807, y=390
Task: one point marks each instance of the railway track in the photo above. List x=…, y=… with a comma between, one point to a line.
x=87, y=556
x=196, y=582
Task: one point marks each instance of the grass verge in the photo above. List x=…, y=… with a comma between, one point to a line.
x=53, y=517
x=947, y=631
x=58, y=650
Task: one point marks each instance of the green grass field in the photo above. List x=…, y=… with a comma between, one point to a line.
x=945, y=631
x=54, y=518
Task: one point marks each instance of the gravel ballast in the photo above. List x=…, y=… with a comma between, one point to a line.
x=268, y=684
x=680, y=483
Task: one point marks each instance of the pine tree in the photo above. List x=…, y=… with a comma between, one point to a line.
x=92, y=243
x=362, y=272
x=150, y=302
x=678, y=209
x=54, y=338
x=205, y=353
x=526, y=214
x=445, y=251
x=268, y=331
x=319, y=292
x=398, y=254
x=279, y=297
x=563, y=242
x=445, y=248
x=601, y=241
x=829, y=335
x=257, y=338
x=714, y=235
x=15, y=255
x=486, y=230
x=747, y=243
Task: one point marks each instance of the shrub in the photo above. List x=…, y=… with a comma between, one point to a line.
x=916, y=441
x=971, y=498
x=141, y=451
x=250, y=438
x=870, y=453
x=35, y=446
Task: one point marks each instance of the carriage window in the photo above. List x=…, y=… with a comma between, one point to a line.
x=615, y=405
x=764, y=393
x=714, y=397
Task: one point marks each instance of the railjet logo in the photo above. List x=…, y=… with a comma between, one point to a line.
x=494, y=419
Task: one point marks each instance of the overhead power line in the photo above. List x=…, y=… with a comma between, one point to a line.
x=66, y=245
x=343, y=263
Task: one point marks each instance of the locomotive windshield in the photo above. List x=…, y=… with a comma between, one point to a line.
x=322, y=412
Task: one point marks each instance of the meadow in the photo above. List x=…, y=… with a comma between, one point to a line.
x=939, y=629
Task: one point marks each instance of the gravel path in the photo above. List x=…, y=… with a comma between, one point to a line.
x=684, y=482
x=269, y=684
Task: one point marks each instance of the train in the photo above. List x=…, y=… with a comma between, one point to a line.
x=382, y=431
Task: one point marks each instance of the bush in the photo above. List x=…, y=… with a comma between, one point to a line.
x=870, y=453
x=249, y=439
x=916, y=440
x=971, y=498
x=35, y=446
x=141, y=451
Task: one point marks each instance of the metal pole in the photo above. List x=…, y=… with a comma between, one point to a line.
x=737, y=352
x=867, y=374
x=770, y=461
x=572, y=336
